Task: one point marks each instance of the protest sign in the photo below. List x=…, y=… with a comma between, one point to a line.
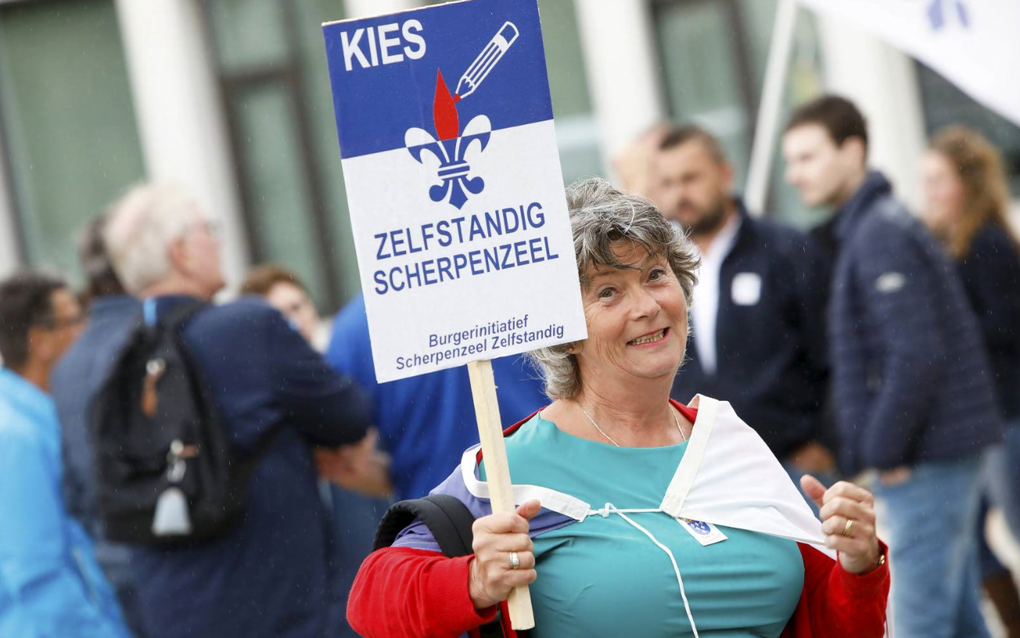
x=454, y=184
x=456, y=199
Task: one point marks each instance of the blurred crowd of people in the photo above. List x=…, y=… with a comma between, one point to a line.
x=883, y=345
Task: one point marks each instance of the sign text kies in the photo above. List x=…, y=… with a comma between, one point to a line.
x=372, y=46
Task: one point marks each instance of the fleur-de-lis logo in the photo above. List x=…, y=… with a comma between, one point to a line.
x=450, y=146
x=940, y=12
x=450, y=149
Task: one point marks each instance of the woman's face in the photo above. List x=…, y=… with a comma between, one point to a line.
x=637, y=320
x=295, y=305
x=943, y=192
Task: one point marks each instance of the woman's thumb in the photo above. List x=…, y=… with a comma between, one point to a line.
x=813, y=488
x=529, y=509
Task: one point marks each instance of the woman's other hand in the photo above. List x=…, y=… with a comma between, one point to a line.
x=359, y=466
x=848, y=521
x=813, y=457
x=492, y=573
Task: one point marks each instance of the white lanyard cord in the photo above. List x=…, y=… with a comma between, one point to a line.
x=611, y=509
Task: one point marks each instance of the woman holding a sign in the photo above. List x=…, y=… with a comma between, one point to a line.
x=640, y=516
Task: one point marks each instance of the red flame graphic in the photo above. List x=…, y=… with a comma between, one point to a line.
x=444, y=111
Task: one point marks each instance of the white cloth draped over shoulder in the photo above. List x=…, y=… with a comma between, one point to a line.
x=728, y=477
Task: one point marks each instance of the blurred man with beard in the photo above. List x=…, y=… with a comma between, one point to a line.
x=757, y=316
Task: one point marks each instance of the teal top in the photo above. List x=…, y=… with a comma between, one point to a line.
x=604, y=577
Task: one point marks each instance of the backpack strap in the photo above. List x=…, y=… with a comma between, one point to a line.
x=447, y=518
x=173, y=321
x=450, y=522
x=178, y=314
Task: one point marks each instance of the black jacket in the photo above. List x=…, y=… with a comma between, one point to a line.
x=771, y=361
x=991, y=276
x=911, y=379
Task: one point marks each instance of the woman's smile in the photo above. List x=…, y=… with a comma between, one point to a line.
x=651, y=339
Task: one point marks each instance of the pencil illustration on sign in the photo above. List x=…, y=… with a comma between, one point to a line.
x=451, y=146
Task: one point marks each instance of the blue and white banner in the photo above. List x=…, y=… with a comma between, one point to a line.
x=454, y=184
x=973, y=43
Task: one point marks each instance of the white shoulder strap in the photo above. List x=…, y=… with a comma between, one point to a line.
x=550, y=499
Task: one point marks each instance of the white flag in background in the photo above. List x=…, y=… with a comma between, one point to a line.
x=973, y=43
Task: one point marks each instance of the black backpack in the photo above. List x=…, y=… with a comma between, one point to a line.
x=449, y=521
x=165, y=472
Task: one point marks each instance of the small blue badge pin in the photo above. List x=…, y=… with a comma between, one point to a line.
x=698, y=527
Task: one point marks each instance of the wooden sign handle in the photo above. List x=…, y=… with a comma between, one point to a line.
x=497, y=471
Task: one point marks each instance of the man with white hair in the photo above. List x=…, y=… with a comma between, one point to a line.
x=269, y=575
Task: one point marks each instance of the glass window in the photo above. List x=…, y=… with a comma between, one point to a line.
x=248, y=33
x=704, y=72
x=714, y=54
x=277, y=197
x=576, y=127
x=72, y=143
x=273, y=70
x=803, y=83
x=318, y=107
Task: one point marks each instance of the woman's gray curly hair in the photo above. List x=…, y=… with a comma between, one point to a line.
x=601, y=217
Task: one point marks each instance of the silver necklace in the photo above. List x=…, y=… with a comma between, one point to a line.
x=610, y=439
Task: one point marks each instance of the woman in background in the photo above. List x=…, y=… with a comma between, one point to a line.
x=966, y=203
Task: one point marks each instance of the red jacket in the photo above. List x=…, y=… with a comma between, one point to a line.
x=409, y=593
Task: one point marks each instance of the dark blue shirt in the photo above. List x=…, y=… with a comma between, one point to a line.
x=991, y=276
x=770, y=346
x=270, y=575
x=73, y=384
x=911, y=380
x=426, y=422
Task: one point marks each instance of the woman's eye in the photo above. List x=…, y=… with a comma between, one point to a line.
x=656, y=274
x=606, y=293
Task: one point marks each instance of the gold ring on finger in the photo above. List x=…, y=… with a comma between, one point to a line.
x=846, y=528
x=515, y=560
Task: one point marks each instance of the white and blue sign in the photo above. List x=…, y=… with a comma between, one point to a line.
x=454, y=184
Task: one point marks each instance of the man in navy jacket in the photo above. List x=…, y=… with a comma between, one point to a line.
x=269, y=576
x=912, y=388
x=758, y=329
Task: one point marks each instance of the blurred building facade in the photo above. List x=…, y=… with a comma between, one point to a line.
x=231, y=98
